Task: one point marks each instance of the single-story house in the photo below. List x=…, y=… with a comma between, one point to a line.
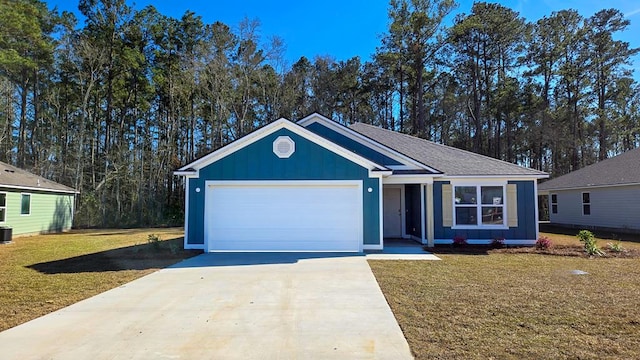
x=602, y=196
x=31, y=204
x=316, y=185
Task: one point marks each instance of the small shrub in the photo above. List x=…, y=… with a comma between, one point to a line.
x=590, y=246
x=615, y=247
x=497, y=243
x=544, y=243
x=459, y=241
x=174, y=247
x=154, y=241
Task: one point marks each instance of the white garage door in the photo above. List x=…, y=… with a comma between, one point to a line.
x=284, y=216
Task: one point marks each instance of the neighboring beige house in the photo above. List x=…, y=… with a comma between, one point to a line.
x=602, y=196
x=31, y=204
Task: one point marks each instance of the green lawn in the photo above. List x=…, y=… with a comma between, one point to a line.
x=516, y=306
x=43, y=273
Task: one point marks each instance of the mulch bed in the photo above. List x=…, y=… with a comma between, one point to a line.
x=557, y=250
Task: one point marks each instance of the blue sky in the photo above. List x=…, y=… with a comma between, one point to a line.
x=347, y=28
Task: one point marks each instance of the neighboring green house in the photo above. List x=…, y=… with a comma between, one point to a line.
x=31, y=204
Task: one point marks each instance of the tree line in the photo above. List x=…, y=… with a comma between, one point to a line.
x=113, y=105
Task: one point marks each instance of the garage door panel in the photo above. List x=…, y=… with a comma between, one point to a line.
x=284, y=217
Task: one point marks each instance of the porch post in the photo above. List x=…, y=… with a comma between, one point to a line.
x=422, y=218
x=429, y=215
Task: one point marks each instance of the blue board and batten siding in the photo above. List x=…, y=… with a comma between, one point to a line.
x=351, y=144
x=526, y=229
x=310, y=161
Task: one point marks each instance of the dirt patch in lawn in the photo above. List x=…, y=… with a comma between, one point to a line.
x=44, y=273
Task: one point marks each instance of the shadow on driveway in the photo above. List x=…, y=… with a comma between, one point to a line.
x=257, y=258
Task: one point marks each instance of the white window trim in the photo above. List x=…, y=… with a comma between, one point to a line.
x=553, y=203
x=584, y=203
x=478, y=206
x=2, y=221
x=30, y=196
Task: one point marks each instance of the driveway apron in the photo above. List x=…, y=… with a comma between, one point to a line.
x=225, y=306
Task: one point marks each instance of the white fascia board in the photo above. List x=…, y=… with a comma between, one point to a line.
x=269, y=129
x=494, y=178
x=380, y=173
x=187, y=174
x=586, y=187
x=409, y=179
x=33, y=188
x=411, y=164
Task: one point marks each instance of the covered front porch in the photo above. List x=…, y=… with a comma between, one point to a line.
x=407, y=212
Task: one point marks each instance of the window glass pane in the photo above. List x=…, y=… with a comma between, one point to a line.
x=586, y=198
x=25, y=209
x=3, y=200
x=466, y=216
x=466, y=195
x=2, y=218
x=492, y=215
x=554, y=198
x=554, y=208
x=492, y=195
x=586, y=209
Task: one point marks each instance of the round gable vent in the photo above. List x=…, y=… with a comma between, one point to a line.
x=283, y=147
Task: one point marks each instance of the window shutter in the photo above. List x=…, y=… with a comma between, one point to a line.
x=512, y=205
x=447, y=210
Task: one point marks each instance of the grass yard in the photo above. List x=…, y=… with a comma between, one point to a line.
x=501, y=305
x=44, y=273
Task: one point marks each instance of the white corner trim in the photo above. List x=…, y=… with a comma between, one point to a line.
x=423, y=213
x=537, y=209
x=186, y=212
x=380, y=212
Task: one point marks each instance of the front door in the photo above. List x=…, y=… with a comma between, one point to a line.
x=392, y=212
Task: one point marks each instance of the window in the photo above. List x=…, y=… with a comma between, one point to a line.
x=586, y=203
x=554, y=203
x=3, y=207
x=25, y=204
x=479, y=206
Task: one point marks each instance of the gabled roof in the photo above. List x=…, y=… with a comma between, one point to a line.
x=411, y=164
x=623, y=169
x=192, y=168
x=16, y=178
x=451, y=161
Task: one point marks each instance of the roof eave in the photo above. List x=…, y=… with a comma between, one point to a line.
x=582, y=187
x=34, y=188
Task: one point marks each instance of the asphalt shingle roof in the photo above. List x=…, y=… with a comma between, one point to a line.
x=13, y=177
x=449, y=160
x=623, y=169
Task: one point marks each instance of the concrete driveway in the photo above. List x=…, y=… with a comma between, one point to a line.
x=225, y=306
